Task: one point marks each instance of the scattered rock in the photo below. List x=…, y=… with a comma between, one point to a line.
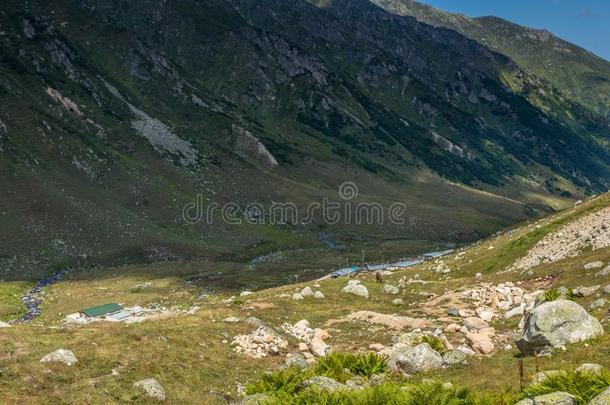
x=307, y=292
x=152, y=388
x=297, y=297
x=325, y=383
x=5, y=325
x=590, y=368
x=555, y=398
x=569, y=240
x=600, y=303
x=411, y=360
x=607, y=289
x=604, y=273
x=356, y=289
x=254, y=399
x=296, y=360
x=245, y=293
x=516, y=311
x=252, y=320
x=453, y=312
x=453, y=328
x=593, y=265
x=377, y=347
x=318, y=295
x=231, y=319
x=557, y=323
x=466, y=350
x=480, y=342
x=585, y=291
x=474, y=323
x=390, y=289
x=60, y=356
x=454, y=357
x=260, y=343
x=601, y=399
x=486, y=314
x=397, y=301
x=545, y=375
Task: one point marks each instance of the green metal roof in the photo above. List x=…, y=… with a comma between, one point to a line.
x=102, y=309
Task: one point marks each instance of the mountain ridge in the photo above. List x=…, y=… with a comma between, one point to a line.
x=128, y=122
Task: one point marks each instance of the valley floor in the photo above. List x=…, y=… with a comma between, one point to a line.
x=192, y=354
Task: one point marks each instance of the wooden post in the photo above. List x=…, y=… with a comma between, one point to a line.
x=521, y=377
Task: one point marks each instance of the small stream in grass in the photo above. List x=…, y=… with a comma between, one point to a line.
x=33, y=298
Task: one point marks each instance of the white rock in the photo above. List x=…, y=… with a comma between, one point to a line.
x=356, y=289
x=390, y=289
x=515, y=311
x=5, y=324
x=474, y=323
x=245, y=293
x=152, y=388
x=307, y=292
x=593, y=265
x=297, y=297
x=60, y=356
x=466, y=350
x=590, y=368
x=231, y=319
x=398, y=301
x=486, y=314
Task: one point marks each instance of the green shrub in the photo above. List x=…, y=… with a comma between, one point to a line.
x=390, y=394
x=584, y=386
x=283, y=382
x=552, y=294
x=343, y=366
x=369, y=364
x=435, y=343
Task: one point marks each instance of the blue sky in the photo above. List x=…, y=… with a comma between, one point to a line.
x=585, y=23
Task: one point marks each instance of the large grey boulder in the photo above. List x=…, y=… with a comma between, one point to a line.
x=151, y=388
x=412, y=360
x=601, y=399
x=557, y=323
x=60, y=356
x=356, y=289
x=554, y=398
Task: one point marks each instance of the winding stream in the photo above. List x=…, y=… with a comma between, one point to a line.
x=33, y=298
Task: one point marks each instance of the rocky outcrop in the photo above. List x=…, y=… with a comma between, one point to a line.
x=592, y=230
x=250, y=146
x=557, y=323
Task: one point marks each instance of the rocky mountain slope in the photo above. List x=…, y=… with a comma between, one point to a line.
x=579, y=74
x=118, y=114
x=469, y=327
